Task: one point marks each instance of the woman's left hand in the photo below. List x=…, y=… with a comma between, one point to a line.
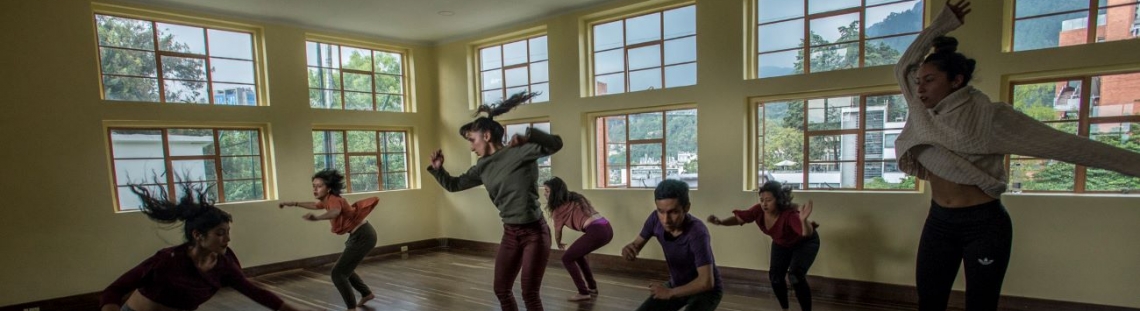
x=805, y=211
x=310, y=217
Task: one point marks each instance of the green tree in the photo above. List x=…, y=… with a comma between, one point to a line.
x=116, y=34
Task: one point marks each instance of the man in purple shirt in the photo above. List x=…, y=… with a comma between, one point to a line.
x=694, y=280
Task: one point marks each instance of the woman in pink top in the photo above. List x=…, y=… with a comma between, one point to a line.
x=794, y=239
x=570, y=209
x=345, y=218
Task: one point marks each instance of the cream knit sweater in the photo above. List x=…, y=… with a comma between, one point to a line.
x=965, y=137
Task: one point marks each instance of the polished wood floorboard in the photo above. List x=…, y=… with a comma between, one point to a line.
x=442, y=280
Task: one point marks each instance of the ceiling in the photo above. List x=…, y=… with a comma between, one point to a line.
x=418, y=21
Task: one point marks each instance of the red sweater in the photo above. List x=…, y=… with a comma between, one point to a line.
x=170, y=278
x=787, y=231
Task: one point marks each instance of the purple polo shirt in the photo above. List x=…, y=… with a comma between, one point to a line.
x=684, y=253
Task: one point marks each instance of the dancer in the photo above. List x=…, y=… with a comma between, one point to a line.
x=185, y=276
x=510, y=174
x=694, y=280
x=957, y=139
x=795, y=242
x=570, y=209
x=344, y=218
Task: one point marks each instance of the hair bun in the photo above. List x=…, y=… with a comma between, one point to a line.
x=945, y=44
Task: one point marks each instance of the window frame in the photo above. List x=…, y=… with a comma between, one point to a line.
x=1092, y=18
x=405, y=77
x=591, y=75
x=382, y=169
x=478, y=65
x=600, y=142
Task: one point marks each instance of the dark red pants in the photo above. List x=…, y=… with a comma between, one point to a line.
x=524, y=247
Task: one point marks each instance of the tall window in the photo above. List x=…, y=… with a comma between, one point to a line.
x=843, y=142
x=371, y=160
x=228, y=162
x=639, y=150
x=645, y=52
x=514, y=67
x=1047, y=24
x=1105, y=108
x=142, y=60
x=841, y=34
x=544, y=173
x=353, y=78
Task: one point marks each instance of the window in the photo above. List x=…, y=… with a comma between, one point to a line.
x=371, y=160
x=1048, y=24
x=226, y=161
x=1105, y=108
x=154, y=61
x=842, y=34
x=544, y=173
x=355, y=78
x=645, y=52
x=841, y=142
x=514, y=67
x=639, y=150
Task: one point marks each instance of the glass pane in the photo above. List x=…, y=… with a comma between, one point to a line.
x=538, y=49
x=647, y=176
x=364, y=182
x=234, y=94
x=607, y=36
x=182, y=68
x=886, y=175
x=893, y=19
x=817, y=6
x=395, y=181
x=208, y=187
x=1121, y=135
x=239, y=142
x=357, y=82
x=389, y=84
x=394, y=142
x=615, y=176
x=1050, y=31
x=491, y=58
x=609, y=61
x=324, y=78
x=517, y=77
x=1118, y=23
x=643, y=28
x=361, y=141
x=1116, y=95
x=363, y=164
x=615, y=129
x=389, y=63
x=648, y=79
x=492, y=79
x=1041, y=175
x=516, y=90
x=323, y=55
x=127, y=62
x=394, y=103
x=515, y=53
x=539, y=72
x=542, y=126
x=681, y=75
x=681, y=22
x=779, y=36
x=514, y=129
x=326, y=99
x=843, y=147
x=124, y=32
x=328, y=161
x=773, y=10
x=186, y=92
x=895, y=108
x=190, y=142
x=137, y=143
x=230, y=44
x=139, y=171
x=645, y=126
x=1049, y=101
x=492, y=96
x=645, y=154
x=1100, y=180
x=644, y=57
x=357, y=101
x=328, y=141
x=194, y=170
x=244, y=190
x=130, y=89
x=395, y=162
x=1038, y=7
x=834, y=57
x=830, y=175
x=225, y=70
x=835, y=29
x=833, y=113
x=609, y=84
x=355, y=58
x=782, y=141
x=129, y=201
x=241, y=168
x=181, y=39
x=681, y=145
x=886, y=51
x=680, y=50
x=779, y=64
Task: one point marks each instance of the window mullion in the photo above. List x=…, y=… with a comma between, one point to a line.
x=218, y=166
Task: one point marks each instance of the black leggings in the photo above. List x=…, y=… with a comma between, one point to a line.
x=794, y=263
x=344, y=276
x=981, y=236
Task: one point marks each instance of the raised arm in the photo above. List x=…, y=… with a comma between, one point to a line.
x=947, y=21
x=727, y=221
x=468, y=180
x=536, y=143
x=305, y=205
x=1016, y=133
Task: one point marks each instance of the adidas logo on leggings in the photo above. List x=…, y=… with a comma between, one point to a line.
x=985, y=261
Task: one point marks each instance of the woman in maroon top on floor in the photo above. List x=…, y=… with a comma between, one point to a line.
x=185, y=276
x=570, y=209
x=794, y=239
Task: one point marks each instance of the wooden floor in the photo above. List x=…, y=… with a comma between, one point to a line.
x=442, y=280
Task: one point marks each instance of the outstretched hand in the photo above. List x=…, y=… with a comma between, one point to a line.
x=960, y=10
x=437, y=159
x=714, y=220
x=629, y=252
x=805, y=211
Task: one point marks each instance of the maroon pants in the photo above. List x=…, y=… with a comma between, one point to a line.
x=597, y=234
x=524, y=247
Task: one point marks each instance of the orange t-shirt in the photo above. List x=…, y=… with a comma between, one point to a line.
x=350, y=216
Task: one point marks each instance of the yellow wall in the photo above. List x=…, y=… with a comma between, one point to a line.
x=60, y=225
x=1072, y=248
x=60, y=235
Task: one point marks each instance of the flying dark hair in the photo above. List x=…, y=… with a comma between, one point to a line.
x=672, y=189
x=560, y=195
x=487, y=123
x=194, y=209
x=947, y=59
x=332, y=179
x=783, y=194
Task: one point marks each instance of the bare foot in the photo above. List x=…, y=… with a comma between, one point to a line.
x=364, y=300
x=579, y=297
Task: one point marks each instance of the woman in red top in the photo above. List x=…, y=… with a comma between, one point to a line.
x=185, y=276
x=570, y=209
x=794, y=239
x=345, y=218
